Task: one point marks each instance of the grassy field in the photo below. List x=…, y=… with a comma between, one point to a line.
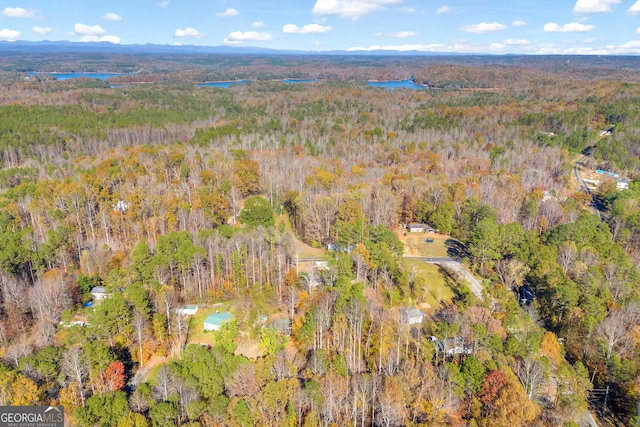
x=442, y=246
x=197, y=333
x=436, y=289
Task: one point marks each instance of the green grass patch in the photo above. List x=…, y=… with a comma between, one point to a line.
x=442, y=246
x=436, y=292
x=197, y=333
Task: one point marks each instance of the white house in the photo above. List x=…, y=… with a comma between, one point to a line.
x=187, y=310
x=411, y=316
x=622, y=184
x=216, y=320
x=420, y=228
x=454, y=346
x=99, y=293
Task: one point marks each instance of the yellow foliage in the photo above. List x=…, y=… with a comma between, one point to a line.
x=551, y=348
x=24, y=392
x=325, y=178
x=357, y=170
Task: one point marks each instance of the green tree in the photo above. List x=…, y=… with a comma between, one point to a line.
x=484, y=243
x=164, y=414
x=103, y=409
x=142, y=264
x=112, y=318
x=257, y=212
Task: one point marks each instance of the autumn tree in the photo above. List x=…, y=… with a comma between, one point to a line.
x=246, y=176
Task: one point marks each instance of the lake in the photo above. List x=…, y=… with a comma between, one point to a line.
x=223, y=84
x=396, y=84
x=67, y=76
x=299, y=80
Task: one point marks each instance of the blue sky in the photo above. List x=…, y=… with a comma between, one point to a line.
x=470, y=26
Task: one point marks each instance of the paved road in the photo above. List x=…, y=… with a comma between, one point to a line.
x=457, y=270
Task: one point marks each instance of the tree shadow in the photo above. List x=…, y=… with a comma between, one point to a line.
x=455, y=249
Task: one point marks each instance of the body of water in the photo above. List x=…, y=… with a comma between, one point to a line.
x=224, y=84
x=396, y=84
x=67, y=76
x=299, y=80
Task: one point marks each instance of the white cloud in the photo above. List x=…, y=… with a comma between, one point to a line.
x=110, y=16
x=163, y=4
x=42, y=31
x=238, y=37
x=572, y=27
x=638, y=30
x=594, y=6
x=443, y=9
x=408, y=9
x=519, y=23
x=18, y=12
x=484, y=28
x=634, y=9
x=91, y=38
x=518, y=42
x=307, y=29
x=9, y=35
x=353, y=9
x=257, y=24
x=398, y=35
x=188, y=32
x=87, y=30
x=229, y=12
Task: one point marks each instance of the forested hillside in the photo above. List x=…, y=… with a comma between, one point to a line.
x=166, y=193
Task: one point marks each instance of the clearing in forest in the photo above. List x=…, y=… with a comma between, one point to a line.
x=442, y=246
x=197, y=334
x=436, y=291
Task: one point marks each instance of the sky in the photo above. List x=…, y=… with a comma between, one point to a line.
x=600, y=27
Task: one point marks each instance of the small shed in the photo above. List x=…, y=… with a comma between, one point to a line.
x=187, y=310
x=415, y=227
x=216, y=320
x=99, y=293
x=411, y=316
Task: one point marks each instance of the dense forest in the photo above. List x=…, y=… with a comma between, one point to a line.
x=167, y=193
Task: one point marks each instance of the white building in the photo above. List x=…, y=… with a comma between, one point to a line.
x=187, y=310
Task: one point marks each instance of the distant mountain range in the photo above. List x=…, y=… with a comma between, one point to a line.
x=106, y=47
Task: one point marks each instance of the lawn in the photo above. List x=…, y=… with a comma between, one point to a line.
x=197, y=333
x=443, y=246
x=436, y=290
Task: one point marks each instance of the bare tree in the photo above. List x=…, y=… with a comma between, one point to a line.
x=48, y=299
x=243, y=382
x=165, y=384
x=567, y=255
x=17, y=351
x=76, y=368
x=614, y=330
x=138, y=402
x=511, y=272
x=140, y=331
x=531, y=374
